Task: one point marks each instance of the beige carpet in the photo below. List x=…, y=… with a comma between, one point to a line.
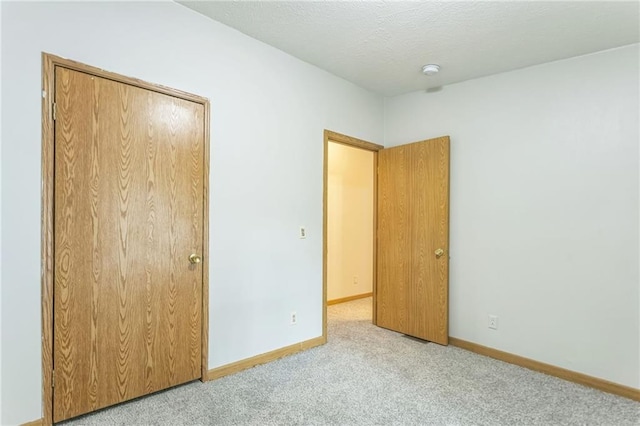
x=370, y=376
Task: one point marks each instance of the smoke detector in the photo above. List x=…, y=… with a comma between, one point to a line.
x=430, y=69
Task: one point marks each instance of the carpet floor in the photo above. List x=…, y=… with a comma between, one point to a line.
x=366, y=375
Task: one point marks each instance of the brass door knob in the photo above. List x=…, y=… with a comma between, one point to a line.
x=439, y=253
x=194, y=258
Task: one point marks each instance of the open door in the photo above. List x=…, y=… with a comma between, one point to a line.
x=413, y=240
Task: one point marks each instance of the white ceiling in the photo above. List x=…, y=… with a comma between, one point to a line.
x=382, y=45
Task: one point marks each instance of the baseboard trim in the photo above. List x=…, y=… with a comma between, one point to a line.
x=349, y=298
x=245, y=364
x=552, y=370
x=38, y=422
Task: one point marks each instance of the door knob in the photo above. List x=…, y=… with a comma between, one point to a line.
x=439, y=253
x=194, y=258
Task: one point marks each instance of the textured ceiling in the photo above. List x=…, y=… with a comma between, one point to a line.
x=382, y=45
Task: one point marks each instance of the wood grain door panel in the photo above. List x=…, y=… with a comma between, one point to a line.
x=128, y=194
x=394, y=238
x=428, y=295
x=413, y=222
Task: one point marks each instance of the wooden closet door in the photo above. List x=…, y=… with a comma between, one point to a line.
x=394, y=238
x=128, y=193
x=413, y=239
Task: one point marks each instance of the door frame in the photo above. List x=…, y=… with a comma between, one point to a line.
x=49, y=63
x=330, y=136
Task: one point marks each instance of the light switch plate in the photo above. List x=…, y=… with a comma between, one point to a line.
x=493, y=322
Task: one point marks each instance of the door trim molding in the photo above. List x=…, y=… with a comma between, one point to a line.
x=49, y=63
x=330, y=136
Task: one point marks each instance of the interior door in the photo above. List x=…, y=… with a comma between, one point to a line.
x=413, y=240
x=128, y=215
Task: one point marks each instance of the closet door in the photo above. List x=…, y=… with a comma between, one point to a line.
x=128, y=225
x=413, y=239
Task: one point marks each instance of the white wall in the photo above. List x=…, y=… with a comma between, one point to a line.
x=268, y=115
x=0, y=223
x=544, y=208
x=349, y=221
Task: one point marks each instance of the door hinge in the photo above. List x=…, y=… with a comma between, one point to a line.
x=53, y=379
x=54, y=110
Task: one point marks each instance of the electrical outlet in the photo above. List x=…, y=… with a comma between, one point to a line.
x=493, y=322
x=294, y=318
x=303, y=232
x=355, y=280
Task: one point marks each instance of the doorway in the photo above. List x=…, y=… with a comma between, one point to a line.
x=125, y=238
x=410, y=279
x=350, y=188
